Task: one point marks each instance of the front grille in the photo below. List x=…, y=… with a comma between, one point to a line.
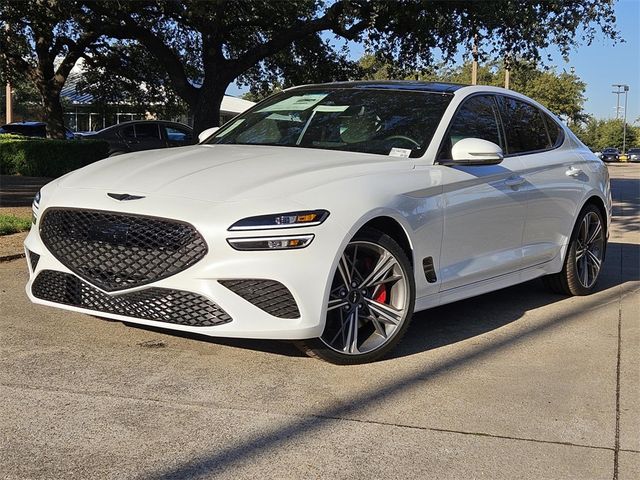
x=268, y=295
x=115, y=251
x=159, y=304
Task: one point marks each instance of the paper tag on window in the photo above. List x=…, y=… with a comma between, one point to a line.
x=400, y=152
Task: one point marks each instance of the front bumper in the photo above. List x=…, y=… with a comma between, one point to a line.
x=303, y=272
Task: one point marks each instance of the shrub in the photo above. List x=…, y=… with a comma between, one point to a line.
x=12, y=224
x=40, y=157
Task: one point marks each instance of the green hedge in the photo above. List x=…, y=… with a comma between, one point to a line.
x=40, y=157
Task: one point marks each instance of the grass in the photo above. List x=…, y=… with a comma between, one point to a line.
x=13, y=224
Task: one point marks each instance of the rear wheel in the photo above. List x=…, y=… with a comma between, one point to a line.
x=370, y=304
x=584, y=258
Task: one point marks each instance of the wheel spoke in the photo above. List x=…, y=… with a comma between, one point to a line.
x=580, y=251
x=337, y=303
x=585, y=271
x=378, y=325
x=343, y=268
x=385, y=263
x=595, y=233
x=593, y=259
x=385, y=313
x=584, y=229
x=351, y=345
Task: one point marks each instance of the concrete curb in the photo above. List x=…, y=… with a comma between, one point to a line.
x=8, y=258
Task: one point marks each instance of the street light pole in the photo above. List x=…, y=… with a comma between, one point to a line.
x=624, y=125
x=620, y=89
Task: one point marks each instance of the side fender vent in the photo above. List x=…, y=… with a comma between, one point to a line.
x=429, y=270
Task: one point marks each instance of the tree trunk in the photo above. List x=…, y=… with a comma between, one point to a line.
x=53, y=113
x=206, y=110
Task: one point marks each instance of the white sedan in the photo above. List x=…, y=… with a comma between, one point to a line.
x=328, y=214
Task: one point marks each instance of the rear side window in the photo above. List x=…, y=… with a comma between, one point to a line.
x=147, y=131
x=476, y=118
x=556, y=133
x=524, y=126
x=128, y=132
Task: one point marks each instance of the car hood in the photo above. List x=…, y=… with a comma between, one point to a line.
x=217, y=173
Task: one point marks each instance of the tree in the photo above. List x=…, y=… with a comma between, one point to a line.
x=40, y=42
x=600, y=134
x=562, y=93
x=205, y=46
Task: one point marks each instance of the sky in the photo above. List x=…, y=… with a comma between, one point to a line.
x=599, y=65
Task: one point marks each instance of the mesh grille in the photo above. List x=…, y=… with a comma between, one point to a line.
x=115, y=251
x=33, y=259
x=160, y=304
x=268, y=295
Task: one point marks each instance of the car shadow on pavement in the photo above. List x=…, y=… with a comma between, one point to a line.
x=442, y=325
x=455, y=322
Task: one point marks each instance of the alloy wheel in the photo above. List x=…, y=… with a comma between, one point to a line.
x=589, y=249
x=369, y=300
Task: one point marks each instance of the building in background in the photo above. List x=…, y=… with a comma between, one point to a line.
x=83, y=114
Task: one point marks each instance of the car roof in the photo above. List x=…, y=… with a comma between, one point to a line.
x=406, y=85
x=25, y=124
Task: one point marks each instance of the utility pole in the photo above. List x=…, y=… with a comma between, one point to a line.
x=474, y=64
x=621, y=88
x=507, y=72
x=9, y=103
x=9, y=94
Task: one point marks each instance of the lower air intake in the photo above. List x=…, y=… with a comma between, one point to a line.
x=159, y=304
x=268, y=295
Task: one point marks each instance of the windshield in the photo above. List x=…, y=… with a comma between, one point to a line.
x=396, y=123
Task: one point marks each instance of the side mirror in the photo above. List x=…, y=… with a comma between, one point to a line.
x=475, y=151
x=207, y=133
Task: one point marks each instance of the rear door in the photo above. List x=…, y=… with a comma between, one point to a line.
x=554, y=178
x=484, y=208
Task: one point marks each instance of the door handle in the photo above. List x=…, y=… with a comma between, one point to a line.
x=573, y=172
x=514, y=181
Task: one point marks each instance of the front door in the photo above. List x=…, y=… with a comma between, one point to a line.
x=484, y=206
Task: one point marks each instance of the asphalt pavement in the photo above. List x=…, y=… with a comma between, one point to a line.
x=519, y=383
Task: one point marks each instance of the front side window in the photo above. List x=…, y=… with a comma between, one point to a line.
x=177, y=134
x=399, y=123
x=476, y=118
x=524, y=127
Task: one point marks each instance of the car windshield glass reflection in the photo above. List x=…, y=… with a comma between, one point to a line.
x=399, y=123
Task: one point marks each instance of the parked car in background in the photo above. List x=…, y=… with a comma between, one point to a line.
x=610, y=155
x=633, y=155
x=328, y=214
x=143, y=135
x=31, y=129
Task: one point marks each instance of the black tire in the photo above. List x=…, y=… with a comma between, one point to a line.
x=566, y=282
x=317, y=348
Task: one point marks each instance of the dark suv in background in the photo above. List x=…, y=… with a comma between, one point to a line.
x=143, y=135
x=610, y=155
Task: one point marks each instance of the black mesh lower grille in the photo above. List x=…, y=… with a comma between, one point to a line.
x=116, y=251
x=268, y=295
x=33, y=259
x=159, y=304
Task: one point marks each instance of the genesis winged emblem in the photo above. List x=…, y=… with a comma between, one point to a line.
x=124, y=196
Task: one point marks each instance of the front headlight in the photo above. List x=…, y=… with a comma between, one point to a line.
x=271, y=243
x=35, y=206
x=306, y=218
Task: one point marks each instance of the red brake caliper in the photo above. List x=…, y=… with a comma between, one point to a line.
x=381, y=297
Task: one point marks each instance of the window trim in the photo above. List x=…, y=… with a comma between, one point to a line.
x=501, y=132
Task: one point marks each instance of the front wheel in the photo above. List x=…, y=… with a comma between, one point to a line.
x=584, y=257
x=370, y=304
